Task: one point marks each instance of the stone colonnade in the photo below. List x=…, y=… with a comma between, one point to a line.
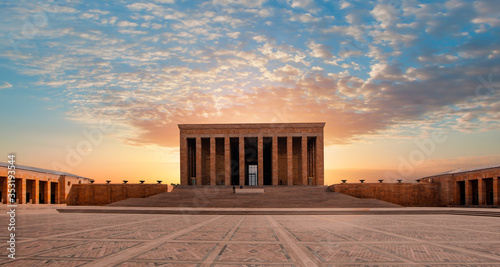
x=32, y=191
x=478, y=191
x=252, y=154
x=37, y=186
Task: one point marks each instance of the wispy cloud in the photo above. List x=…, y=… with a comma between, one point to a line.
x=5, y=85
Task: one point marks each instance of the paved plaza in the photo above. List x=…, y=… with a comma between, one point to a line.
x=48, y=238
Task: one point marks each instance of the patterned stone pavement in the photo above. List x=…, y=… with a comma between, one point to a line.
x=54, y=239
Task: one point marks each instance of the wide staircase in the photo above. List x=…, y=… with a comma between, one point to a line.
x=273, y=197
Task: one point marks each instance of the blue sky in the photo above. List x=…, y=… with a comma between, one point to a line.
x=377, y=72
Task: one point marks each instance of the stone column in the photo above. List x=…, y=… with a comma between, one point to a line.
x=304, y=160
x=260, y=167
x=198, y=160
x=242, y=160
x=36, y=191
x=227, y=161
x=184, y=161
x=212, y=161
x=22, y=192
x=56, y=194
x=47, y=192
x=289, y=157
x=5, y=188
x=275, y=160
x=496, y=191
x=320, y=179
x=480, y=191
x=468, y=192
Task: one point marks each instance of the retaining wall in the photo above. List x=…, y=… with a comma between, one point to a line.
x=103, y=194
x=404, y=194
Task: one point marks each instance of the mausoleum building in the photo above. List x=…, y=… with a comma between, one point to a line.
x=252, y=154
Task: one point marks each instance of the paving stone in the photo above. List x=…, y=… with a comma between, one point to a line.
x=347, y=253
x=253, y=253
x=429, y=253
x=93, y=250
x=179, y=252
x=44, y=263
x=254, y=240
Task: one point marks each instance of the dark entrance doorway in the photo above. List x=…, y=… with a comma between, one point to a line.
x=461, y=192
x=488, y=186
x=267, y=143
x=235, y=159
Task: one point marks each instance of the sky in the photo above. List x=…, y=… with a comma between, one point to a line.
x=97, y=88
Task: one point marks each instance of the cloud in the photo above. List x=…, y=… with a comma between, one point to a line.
x=344, y=4
x=5, y=85
x=220, y=61
x=300, y=3
x=320, y=50
x=125, y=23
x=385, y=14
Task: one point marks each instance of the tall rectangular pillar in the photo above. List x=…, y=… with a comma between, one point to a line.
x=496, y=191
x=468, y=192
x=184, y=161
x=48, y=192
x=36, y=191
x=481, y=194
x=260, y=163
x=275, y=160
x=5, y=188
x=289, y=157
x=22, y=197
x=212, y=161
x=227, y=161
x=242, y=159
x=320, y=179
x=198, y=160
x=304, y=160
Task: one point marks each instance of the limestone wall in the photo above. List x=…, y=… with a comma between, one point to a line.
x=404, y=194
x=103, y=194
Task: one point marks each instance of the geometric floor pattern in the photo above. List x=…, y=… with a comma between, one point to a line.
x=54, y=239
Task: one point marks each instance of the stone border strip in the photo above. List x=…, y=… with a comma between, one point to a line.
x=300, y=257
x=236, y=211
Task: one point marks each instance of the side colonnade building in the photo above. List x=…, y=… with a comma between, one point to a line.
x=252, y=154
x=479, y=186
x=37, y=186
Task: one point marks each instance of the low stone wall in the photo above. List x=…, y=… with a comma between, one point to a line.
x=103, y=194
x=404, y=194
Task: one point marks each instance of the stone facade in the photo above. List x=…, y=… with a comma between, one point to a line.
x=38, y=186
x=103, y=194
x=252, y=154
x=473, y=187
x=404, y=194
x=479, y=186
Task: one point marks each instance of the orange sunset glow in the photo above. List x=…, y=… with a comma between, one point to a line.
x=406, y=89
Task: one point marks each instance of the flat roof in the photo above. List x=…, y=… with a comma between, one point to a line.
x=464, y=170
x=252, y=125
x=33, y=169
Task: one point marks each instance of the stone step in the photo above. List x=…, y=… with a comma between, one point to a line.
x=273, y=197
